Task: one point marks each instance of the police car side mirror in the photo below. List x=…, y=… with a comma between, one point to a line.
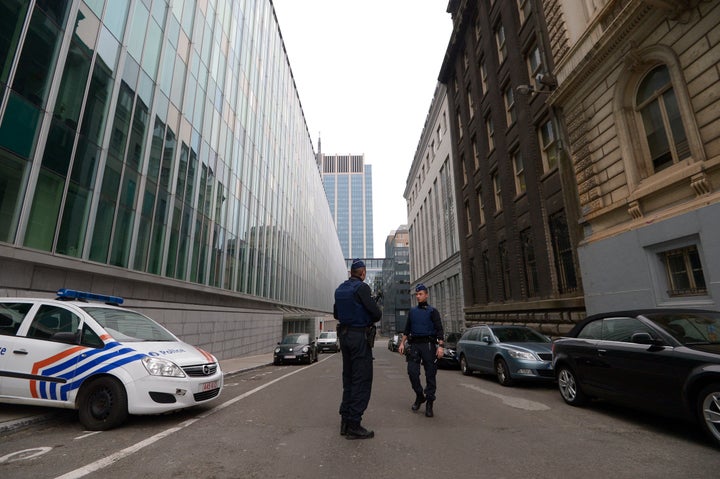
x=486, y=339
x=65, y=337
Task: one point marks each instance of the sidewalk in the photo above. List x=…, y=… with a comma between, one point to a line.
x=16, y=416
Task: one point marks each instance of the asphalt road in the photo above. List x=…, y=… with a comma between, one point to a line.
x=282, y=422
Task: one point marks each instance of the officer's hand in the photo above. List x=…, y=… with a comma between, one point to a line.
x=401, y=348
x=439, y=353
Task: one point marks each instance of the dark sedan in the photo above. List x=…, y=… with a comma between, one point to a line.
x=450, y=357
x=665, y=361
x=296, y=348
x=510, y=352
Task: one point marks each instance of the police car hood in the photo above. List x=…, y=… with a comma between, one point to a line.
x=178, y=352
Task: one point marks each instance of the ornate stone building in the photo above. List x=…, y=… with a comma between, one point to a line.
x=638, y=85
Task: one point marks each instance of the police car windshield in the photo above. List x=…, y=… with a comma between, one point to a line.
x=129, y=326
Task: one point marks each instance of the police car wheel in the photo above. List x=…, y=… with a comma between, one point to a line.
x=102, y=404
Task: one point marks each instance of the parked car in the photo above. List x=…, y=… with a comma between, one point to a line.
x=77, y=352
x=665, y=361
x=328, y=341
x=510, y=352
x=394, y=342
x=296, y=348
x=450, y=357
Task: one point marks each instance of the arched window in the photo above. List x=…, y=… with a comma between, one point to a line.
x=657, y=105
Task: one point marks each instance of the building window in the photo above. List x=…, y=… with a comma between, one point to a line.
x=497, y=191
x=468, y=221
x=510, y=113
x=483, y=77
x=549, y=144
x=563, y=254
x=476, y=154
x=500, y=41
x=480, y=206
x=661, y=120
x=684, y=272
x=464, y=170
x=534, y=61
x=519, y=171
x=471, y=105
x=525, y=9
x=529, y=262
x=490, y=133
x=505, y=267
x=486, y=274
x=460, y=124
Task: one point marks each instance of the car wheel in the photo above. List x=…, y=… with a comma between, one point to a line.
x=102, y=404
x=569, y=387
x=464, y=368
x=709, y=411
x=503, y=372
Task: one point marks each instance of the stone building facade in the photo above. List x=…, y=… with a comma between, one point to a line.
x=638, y=85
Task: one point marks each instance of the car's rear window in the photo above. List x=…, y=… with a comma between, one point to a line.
x=124, y=325
x=11, y=315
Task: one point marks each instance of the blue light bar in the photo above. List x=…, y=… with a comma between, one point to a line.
x=72, y=294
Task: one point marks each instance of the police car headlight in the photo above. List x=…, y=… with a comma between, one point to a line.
x=306, y=349
x=162, y=367
x=277, y=350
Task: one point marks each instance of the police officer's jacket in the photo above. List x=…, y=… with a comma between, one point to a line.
x=424, y=323
x=354, y=305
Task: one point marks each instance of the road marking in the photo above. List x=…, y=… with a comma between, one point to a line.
x=123, y=453
x=516, y=402
x=92, y=433
x=24, y=454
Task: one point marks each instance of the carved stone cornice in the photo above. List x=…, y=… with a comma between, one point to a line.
x=616, y=27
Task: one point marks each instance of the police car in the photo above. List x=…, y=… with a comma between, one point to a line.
x=82, y=351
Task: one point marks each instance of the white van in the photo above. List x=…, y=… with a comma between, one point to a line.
x=82, y=351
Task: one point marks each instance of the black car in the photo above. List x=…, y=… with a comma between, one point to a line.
x=394, y=342
x=665, y=361
x=295, y=348
x=450, y=358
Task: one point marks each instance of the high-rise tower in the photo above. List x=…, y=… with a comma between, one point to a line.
x=348, y=186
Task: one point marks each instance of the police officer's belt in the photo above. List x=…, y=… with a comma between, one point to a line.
x=352, y=328
x=422, y=339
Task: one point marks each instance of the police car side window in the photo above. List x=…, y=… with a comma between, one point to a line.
x=52, y=319
x=90, y=338
x=11, y=317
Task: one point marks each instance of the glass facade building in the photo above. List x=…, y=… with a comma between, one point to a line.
x=165, y=138
x=348, y=185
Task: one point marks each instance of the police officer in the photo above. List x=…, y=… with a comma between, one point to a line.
x=424, y=336
x=357, y=313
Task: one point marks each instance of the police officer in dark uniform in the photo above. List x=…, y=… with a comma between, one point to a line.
x=423, y=339
x=357, y=313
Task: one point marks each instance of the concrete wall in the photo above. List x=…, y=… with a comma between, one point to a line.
x=623, y=272
x=225, y=324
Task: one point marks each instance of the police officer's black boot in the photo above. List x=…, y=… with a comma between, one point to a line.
x=343, y=426
x=418, y=401
x=428, y=409
x=356, y=431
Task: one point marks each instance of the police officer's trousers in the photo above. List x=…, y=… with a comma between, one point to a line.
x=424, y=353
x=357, y=373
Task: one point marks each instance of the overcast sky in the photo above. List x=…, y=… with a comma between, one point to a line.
x=366, y=72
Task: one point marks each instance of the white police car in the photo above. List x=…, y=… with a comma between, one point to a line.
x=103, y=360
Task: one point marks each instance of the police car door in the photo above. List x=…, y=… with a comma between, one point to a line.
x=43, y=356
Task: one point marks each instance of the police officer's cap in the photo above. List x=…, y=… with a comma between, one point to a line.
x=420, y=287
x=357, y=264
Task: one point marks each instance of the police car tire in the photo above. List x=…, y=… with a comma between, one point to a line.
x=102, y=404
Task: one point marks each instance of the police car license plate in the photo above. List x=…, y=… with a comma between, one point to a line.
x=209, y=386
x=290, y=356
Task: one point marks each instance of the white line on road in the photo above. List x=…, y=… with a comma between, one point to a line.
x=113, y=458
x=511, y=401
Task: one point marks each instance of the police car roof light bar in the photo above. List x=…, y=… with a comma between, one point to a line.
x=66, y=294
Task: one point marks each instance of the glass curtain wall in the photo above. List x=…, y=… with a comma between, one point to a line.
x=163, y=137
